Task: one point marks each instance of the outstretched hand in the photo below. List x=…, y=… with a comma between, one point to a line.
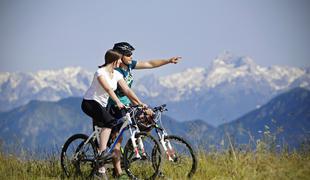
x=175, y=60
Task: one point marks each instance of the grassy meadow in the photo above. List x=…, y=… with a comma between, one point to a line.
x=212, y=165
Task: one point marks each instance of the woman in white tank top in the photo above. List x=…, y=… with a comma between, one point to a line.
x=95, y=100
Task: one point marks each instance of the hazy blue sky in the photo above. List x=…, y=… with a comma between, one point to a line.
x=52, y=34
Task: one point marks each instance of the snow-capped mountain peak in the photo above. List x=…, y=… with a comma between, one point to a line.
x=51, y=85
x=190, y=78
x=227, y=67
x=227, y=59
x=225, y=70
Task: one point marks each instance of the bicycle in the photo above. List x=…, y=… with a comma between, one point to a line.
x=80, y=157
x=180, y=157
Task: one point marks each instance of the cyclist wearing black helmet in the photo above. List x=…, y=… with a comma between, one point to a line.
x=128, y=64
x=125, y=68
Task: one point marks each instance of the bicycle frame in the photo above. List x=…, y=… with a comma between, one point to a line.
x=128, y=124
x=162, y=133
x=176, y=149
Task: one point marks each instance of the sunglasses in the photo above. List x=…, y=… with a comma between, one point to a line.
x=128, y=54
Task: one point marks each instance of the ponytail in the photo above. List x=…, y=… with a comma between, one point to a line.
x=101, y=65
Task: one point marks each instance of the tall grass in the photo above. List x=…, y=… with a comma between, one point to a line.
x=212, y=165
x=253, y=165
x=12, y=167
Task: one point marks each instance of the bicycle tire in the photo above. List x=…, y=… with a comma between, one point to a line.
x=72, y=167
x=187, y=156
x=137, y=168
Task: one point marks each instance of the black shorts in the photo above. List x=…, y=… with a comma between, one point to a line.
x=101, y=117
x=117, y=114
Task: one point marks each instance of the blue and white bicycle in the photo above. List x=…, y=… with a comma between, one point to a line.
x=80, y=157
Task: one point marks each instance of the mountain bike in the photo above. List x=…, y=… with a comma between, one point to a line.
x=179, y=155
x=80, y=156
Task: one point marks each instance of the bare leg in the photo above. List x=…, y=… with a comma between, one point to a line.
x=117, y=157
x=104, y=137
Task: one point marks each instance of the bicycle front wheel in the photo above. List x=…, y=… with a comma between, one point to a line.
x=179, y=158
x=138, y=163
x=78, y=158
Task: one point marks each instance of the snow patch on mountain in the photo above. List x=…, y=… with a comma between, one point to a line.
x=50, y=85
x=188, y=81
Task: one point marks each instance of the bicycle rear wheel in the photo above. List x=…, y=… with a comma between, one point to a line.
x=179, y=159
x=142, y=168
x=78, y=158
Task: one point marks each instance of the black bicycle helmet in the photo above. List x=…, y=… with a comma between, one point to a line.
x=124, y=48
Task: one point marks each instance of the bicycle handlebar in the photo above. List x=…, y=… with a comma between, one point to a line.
x=127, y=108
x=161, y=108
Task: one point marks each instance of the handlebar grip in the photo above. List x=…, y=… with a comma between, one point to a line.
x=160, y=108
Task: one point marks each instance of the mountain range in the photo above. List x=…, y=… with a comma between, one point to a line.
x=228, y=88
x=44, y=125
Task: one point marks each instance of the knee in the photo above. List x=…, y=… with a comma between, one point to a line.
x=118, y=145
